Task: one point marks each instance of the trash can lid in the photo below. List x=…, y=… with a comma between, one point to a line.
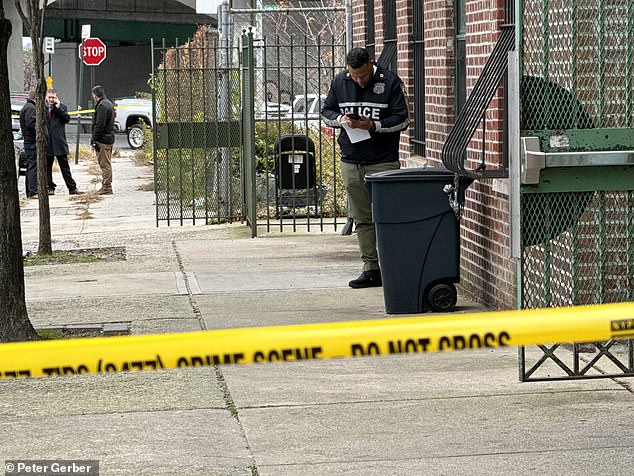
x=415, y=174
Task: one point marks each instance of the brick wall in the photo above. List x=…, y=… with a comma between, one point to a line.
x=439, y=65
x=488, y=274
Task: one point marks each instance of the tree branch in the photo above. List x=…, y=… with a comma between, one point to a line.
x=26, y=20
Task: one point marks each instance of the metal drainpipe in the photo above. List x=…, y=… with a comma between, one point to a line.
x=515, y=74
x=348, y=25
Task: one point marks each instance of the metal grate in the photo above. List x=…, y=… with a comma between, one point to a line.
x=577, y=64
x=577, y=88
x=370, y=36
x=389, y=56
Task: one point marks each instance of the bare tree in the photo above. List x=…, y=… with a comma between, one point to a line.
x=14, y=319
x=316, y=26
x=33, y=18
x=318, y=31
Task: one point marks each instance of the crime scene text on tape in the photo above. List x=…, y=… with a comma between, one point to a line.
x=317, y=341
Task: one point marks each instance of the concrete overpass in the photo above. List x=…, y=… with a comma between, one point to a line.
x=126, y=26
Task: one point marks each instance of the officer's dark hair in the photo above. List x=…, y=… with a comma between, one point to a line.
x=98, y=91
x=357, y=57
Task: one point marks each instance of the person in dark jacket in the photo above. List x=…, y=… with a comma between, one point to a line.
x=56, y=119
x=103, y=137
x=369, y=104
x=27, y=126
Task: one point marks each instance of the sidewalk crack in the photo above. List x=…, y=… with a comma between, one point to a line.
x=190, y=294
x=231, y=406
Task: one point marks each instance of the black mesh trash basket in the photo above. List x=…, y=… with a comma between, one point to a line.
x=296, y=171
x=418, y=238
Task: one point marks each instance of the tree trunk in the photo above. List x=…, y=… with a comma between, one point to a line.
x=45, y=245
x=14, y=319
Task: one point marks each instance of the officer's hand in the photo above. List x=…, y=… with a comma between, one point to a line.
x=363, y=122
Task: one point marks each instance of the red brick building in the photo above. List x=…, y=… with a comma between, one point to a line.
x=439, y=48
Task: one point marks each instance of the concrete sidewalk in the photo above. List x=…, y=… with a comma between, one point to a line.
x=450, y=413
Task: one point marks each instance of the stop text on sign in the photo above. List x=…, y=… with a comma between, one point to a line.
x=94, y=51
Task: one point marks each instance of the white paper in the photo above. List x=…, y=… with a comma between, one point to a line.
x=355, y=135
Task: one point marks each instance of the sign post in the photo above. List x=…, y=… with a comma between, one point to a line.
x=85, y=34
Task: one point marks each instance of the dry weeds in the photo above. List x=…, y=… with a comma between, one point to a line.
x=146, y=187
x=87, y=198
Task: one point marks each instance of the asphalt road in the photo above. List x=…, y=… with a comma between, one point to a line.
x=120, y=140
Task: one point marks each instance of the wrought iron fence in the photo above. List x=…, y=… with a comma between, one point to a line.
x=295, y=186
x=197, y=134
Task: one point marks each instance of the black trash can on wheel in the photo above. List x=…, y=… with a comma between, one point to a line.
x=418, y=238
x=296, y=173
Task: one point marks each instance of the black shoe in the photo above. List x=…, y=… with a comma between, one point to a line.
x=51, y=191
x=368, y=279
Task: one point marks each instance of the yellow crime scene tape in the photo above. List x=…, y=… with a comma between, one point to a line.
x=85, y=111
x=317, y=341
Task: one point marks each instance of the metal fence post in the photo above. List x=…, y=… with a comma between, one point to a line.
x=248, y=123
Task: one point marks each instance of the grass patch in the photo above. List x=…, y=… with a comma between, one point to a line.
x=87, y=255
x=74, y=331
x=49, y=335
x=85, y=214
x=93, y=169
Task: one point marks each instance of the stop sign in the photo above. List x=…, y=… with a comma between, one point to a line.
x=94, y=51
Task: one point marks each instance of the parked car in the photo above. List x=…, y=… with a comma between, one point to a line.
x=307, y=107
x=130, y=117
x=18, y=100
x=306, y=112
x=18, y=148
x=272, y=110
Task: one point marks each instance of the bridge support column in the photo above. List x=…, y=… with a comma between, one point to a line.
x=16, y=56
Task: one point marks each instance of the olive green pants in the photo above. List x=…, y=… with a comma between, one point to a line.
x=360, y=207
x=104, y=159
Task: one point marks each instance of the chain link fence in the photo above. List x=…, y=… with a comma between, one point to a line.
x=577, y=61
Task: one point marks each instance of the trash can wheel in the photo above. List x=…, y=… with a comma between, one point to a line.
x=442, y=298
